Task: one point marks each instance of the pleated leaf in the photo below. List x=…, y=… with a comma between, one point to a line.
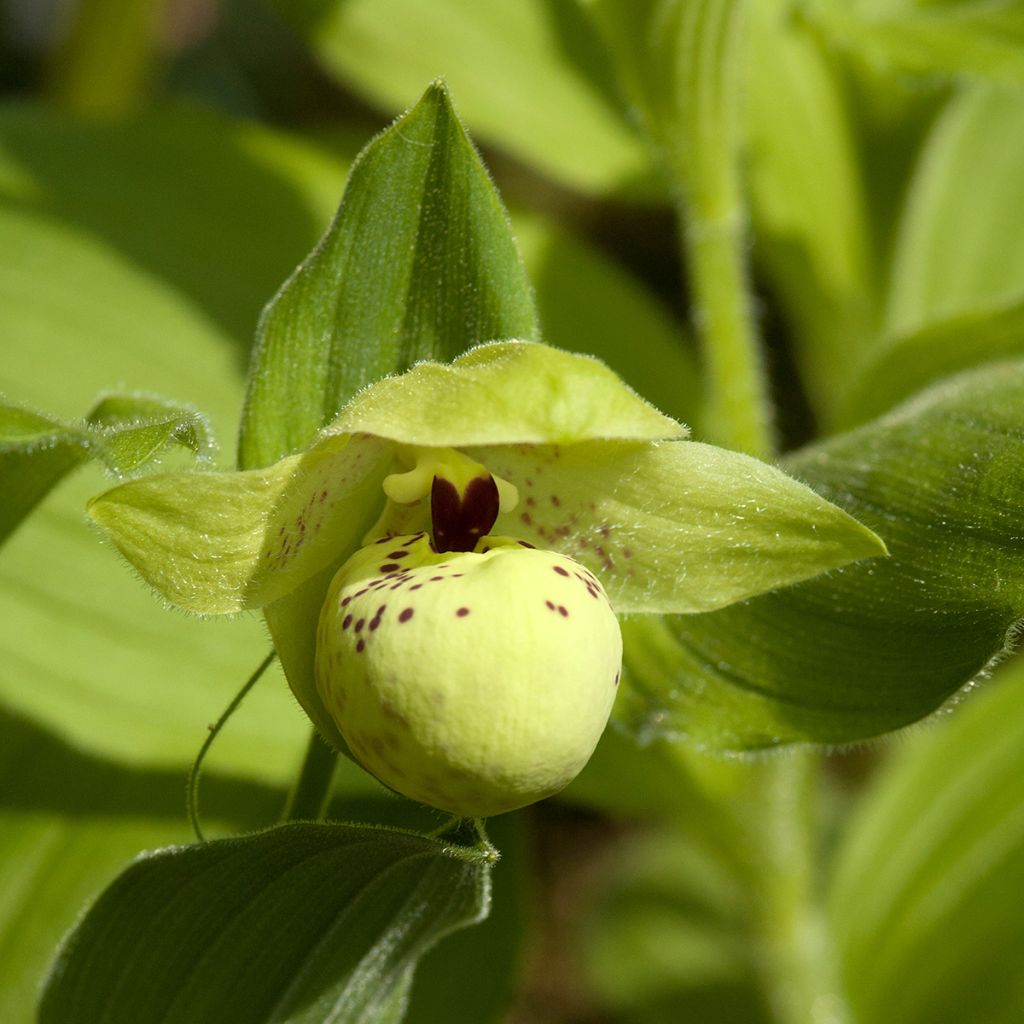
x=302, y=923
x=924, y=899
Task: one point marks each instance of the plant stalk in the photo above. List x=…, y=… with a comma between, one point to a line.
x=103, y=63
x=311, y=793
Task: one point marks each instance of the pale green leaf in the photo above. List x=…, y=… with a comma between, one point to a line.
x=907, y=363
x=808, y=200
x=924, y=898
x=879, y=644
x=221, y=211
x=960, y=247
x=977, y=37
x=419, y=263
x=674, y=526
x=530, y=77
x=221, y=542
x=505, y=393
x=301, y=923
x=162, y=301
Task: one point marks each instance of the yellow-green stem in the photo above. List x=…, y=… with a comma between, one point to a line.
x=103, y=63
x=311, y=793
x=738, y=412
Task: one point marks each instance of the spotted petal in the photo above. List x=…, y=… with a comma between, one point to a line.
x=221, y=542
x=675, y=526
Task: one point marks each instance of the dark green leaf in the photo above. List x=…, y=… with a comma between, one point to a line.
x=301, y=923
x=419, y=263
x=879, y=644
x=925, y=897
x=471, y=976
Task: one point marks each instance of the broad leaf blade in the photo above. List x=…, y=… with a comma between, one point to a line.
x=924, y=899
x=531, y=76
x=960, y=247
x=298, y=924
x=419, y=263
x=954, y=36
x=808, y=199
x=876, y=645
x=910, y=362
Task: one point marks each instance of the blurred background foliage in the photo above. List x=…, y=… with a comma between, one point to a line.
x=164, y=166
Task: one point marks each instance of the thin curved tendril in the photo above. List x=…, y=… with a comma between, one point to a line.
x=192, y=786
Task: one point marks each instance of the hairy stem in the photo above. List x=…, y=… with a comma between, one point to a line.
x=311, y=793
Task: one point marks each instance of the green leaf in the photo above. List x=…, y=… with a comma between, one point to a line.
x=808, y=199
x=221, y=542
x=35, y=454
x=300, y=923
x=474, y=974
x=668, y=939
x=880, y=644
x=124, y=432
x=908, y=363
x=222, y=210
x=505, y=393
x=160, y=301
x=924, y=898
x=419, y=263
x=558, y=110
x=674, y=526
x=68, y=824
x=974, y=37
x=960, y=248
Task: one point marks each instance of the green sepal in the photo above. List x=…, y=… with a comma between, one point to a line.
x=675, y=526
x=509, y=392
x=217, y=543
x=879, y=644
x=419, y=263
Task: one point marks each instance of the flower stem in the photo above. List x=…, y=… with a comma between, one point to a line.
x=764, y=819
x=192, y=786
x=738, y=411
x=311, y=794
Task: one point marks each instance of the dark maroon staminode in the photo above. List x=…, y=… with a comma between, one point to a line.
x=460, y=520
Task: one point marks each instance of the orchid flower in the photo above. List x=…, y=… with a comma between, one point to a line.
x=441, y=569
